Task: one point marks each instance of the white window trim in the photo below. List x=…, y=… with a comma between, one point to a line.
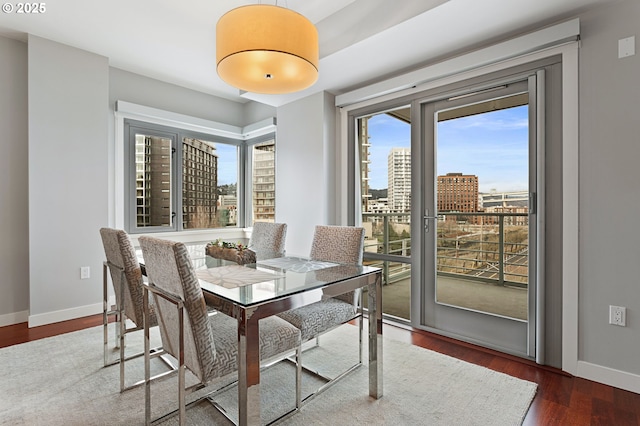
x=419, y=80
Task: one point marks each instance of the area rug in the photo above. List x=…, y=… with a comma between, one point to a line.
x=61, y=381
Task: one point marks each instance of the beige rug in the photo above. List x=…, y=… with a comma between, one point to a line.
x=61, y=381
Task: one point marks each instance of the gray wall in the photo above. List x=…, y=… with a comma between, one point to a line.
x=609, y=191
x=306, y=167
x=14, y=203
x=68, y=100
x=58, y=169
x=137, y=89
x=254, y=112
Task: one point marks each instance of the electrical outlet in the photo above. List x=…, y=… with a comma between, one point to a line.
x=85, y=272
x=626, y=47
x=617, y=315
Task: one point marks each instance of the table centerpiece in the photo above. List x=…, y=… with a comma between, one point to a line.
x=234, y=252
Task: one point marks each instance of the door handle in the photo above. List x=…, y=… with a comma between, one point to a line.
x=426, y=219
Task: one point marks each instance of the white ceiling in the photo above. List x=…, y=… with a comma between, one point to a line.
x=361, y=41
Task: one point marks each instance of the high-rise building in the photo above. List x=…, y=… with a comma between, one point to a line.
x=199, y=184
x=364, y=163
x=264, y=182
x=399, y=180
x=457, y=193
x=153, y=181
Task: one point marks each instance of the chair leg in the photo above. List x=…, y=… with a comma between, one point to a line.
x=105, y=318
x=116, y=331
x=122, y=346
x=360, y=326
x=106, y=312
x=121, y=329
x=299, y=376
x=147, y=360
x=181, y=368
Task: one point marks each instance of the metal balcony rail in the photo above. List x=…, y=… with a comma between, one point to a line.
x=490, y=247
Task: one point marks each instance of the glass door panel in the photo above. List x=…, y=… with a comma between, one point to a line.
x=479, y=170
x=384, y=149
x=482, y=205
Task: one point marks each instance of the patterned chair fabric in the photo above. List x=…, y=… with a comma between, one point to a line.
x=211, y=341
x=119, y=252
x=338, y=244
x=268, y=239
x=319, y=317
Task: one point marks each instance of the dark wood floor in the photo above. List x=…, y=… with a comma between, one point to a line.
x=560, y=400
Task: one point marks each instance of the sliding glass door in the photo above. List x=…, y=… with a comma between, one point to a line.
x=453, y=185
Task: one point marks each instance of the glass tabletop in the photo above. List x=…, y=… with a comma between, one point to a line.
x=260, y=282
x=268, y=279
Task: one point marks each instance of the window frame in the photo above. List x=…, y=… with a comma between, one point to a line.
x=250, y=144
x=118, y=175
x=176, y=134
x=131, y=129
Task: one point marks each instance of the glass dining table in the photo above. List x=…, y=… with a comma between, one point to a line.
x=271, y=286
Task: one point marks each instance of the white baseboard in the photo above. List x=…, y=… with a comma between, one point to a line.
x=14, y=318
x=609, y=376
x=64, y=315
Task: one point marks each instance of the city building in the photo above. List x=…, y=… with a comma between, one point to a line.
x=457, y=193
x=507, y=203
x=199, y=184
x=228, y=210
x=513, y=215
x=399, y=178
x=264, y=182
x=153, y=162
x=504, y=199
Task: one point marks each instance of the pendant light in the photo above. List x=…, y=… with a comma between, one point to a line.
x=266, y=49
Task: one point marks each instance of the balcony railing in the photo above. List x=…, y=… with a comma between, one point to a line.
x=489, y=247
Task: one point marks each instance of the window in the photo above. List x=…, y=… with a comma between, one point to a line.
x=181, y=180
x=263, y=179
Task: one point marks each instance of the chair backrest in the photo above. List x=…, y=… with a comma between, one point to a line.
x=339, y=244
x=169, y=267
x=268, y=239
x=127, y=274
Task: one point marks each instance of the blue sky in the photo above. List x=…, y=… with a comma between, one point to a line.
x=492, y=146
x=227, y=163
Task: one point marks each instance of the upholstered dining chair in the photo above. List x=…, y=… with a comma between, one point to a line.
x=268, y=239
x=205, y=344
x=338, y=244
x=126, y=276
